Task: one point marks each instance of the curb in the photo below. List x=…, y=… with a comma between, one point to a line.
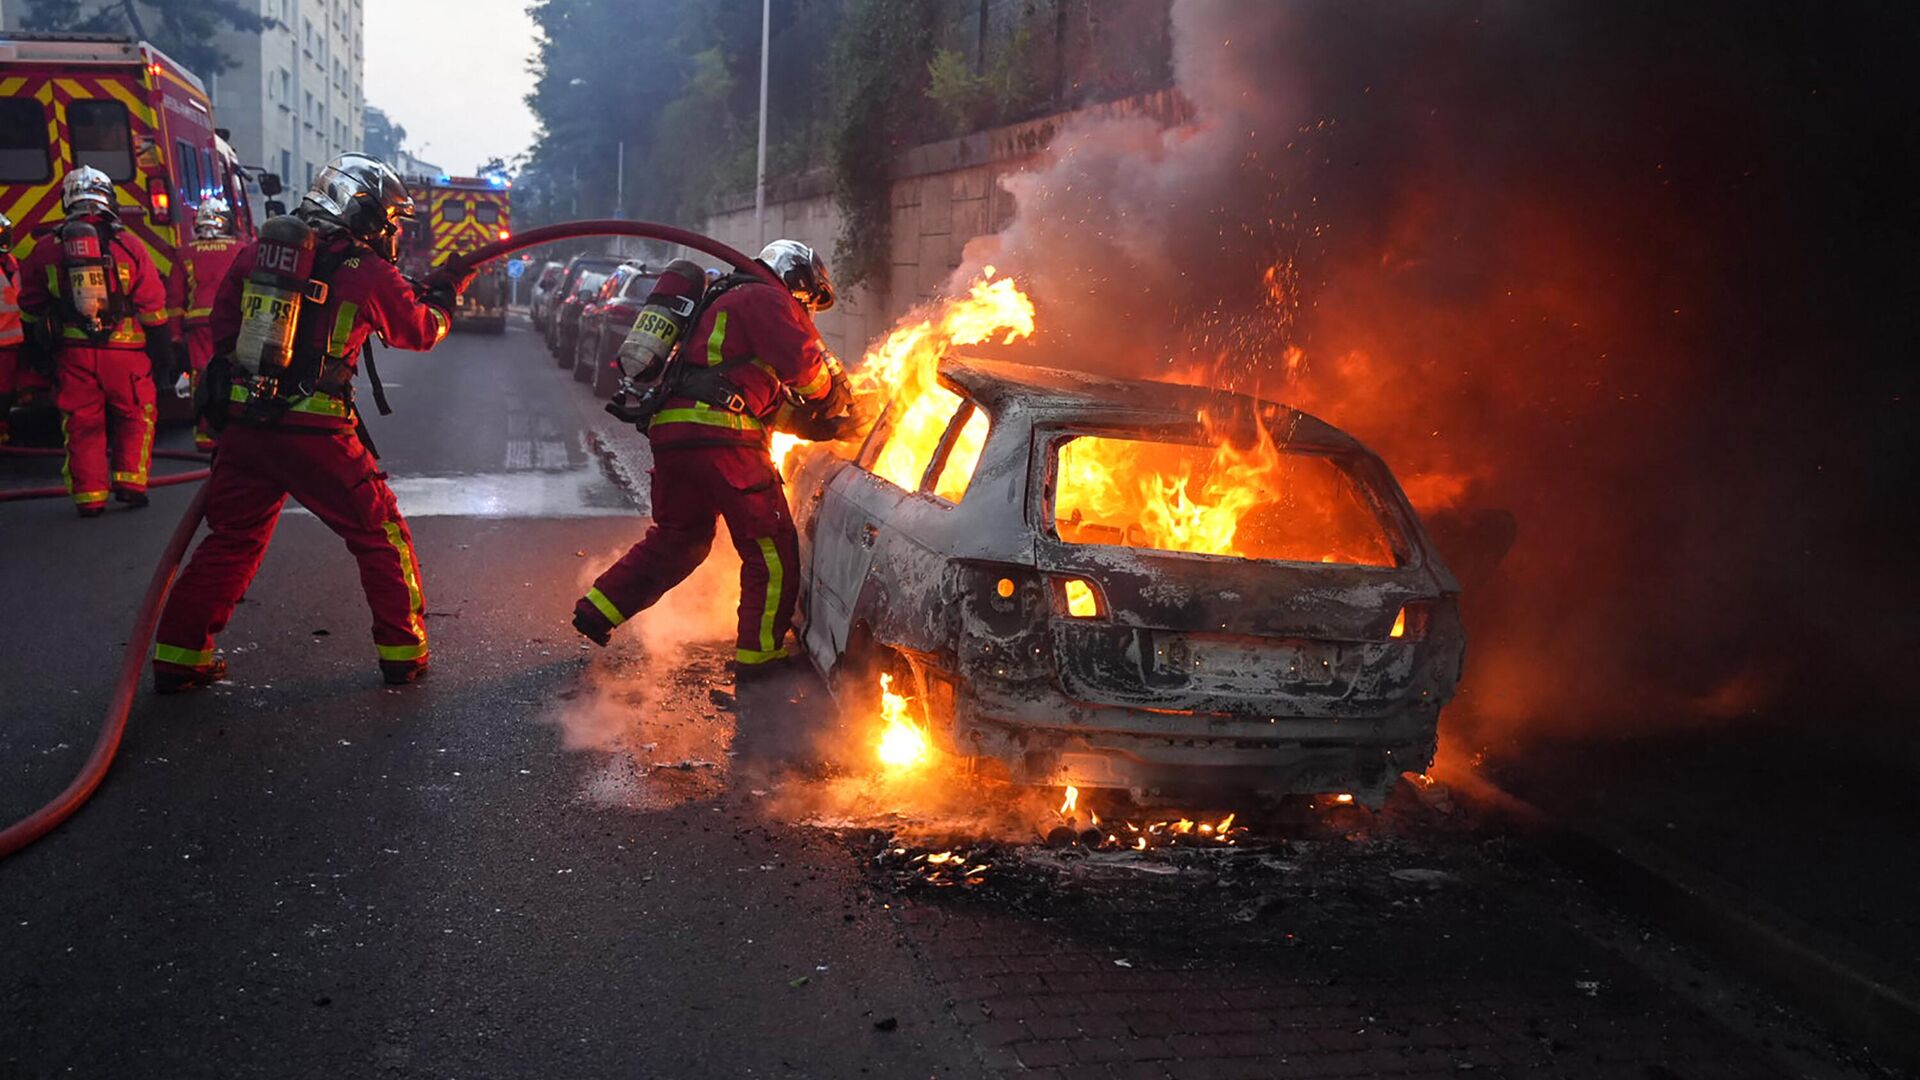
x=1832, y=979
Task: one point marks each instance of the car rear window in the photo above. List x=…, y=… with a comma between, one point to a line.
x=101, y=137
x=550, y=275
x=1260, y=502
x=589, y=284
x=23, y=142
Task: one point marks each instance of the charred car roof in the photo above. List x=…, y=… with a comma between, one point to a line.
x=1081, y=397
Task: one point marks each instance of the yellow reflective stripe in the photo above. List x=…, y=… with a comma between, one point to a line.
x=775, y=576
x=199, y=313
x=88, y=498
x=139, y=476
x=66, y=459
x=817, y=385
x=153, y=318
x=716, y=339
x=402, y=652
x=701, y=414
x=599, y=600
x=315, y=404
x=416, y=605
x=342, y=328
x=439, y=323
x=754, y=656
x=174, y=654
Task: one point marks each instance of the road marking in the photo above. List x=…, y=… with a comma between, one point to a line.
x=529, y=494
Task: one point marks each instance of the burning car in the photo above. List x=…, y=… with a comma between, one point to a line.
x=1167, y=590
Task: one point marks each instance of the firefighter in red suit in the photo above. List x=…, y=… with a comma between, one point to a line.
x=209, y=256
x=752, y=354
x=300, y=436
x=11, y=333
x=90, y=296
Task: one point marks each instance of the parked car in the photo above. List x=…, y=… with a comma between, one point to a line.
x=542, y=291
x=604, y=324
x=566, y=313
x=1053, y=629
x=569, y=277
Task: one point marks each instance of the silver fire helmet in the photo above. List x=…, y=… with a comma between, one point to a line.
x=802, y=271
x=213, y=219
x=86, y=190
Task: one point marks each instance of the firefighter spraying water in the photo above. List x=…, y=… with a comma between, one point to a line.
x=727, y=365
x=290, y=327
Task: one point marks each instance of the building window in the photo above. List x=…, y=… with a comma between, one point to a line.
x=286, y=165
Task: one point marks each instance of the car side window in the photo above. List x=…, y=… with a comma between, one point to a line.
x=904, y=447
x=966, y=437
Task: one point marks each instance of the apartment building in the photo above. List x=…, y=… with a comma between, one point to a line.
x=295, y=96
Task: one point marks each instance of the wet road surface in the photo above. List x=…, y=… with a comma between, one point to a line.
x=549, y=860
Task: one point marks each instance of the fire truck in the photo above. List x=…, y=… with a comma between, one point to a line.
x=461, y=213
x=123, y=107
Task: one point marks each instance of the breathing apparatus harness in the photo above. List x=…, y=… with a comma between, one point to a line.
x=94, y=300
x=293, y=264
x=679, y=378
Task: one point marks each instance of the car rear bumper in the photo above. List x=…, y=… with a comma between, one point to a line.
x=1050, y=740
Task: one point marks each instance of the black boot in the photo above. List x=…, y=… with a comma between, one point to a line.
x=402, y=672
x=134, y=499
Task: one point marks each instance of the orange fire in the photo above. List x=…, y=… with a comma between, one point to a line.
x=903, y=745
x=904, y=368
x=1220, y=499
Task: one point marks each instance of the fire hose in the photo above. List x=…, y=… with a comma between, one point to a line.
x=18, y=494
x=44, y=820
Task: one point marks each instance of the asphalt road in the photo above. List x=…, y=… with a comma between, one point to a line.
x=554, y=861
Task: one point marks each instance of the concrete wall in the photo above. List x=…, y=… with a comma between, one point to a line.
x=944, y=195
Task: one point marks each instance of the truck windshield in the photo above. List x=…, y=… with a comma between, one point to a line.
x=23, y=142
x=1259, y=502
x=101, y=137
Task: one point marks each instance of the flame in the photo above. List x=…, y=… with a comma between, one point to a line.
x=782, y=445
x=904, y=368
x=1072, y=800
x=903, y=746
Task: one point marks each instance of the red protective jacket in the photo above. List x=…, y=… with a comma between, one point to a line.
x=43, y=285
x=765, y=341
x=10, y=331
x=207, y=264
x=365, y=296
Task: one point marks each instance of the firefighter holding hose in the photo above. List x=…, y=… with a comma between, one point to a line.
x=209, y=256
x=11, y=334
x=92, y=301
x=289, y=325
x=752, y=362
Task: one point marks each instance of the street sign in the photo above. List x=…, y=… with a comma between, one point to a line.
x=516, y=267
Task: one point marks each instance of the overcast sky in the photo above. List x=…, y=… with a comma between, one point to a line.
x=452, y=72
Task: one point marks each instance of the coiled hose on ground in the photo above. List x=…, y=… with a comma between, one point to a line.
x=44, y=820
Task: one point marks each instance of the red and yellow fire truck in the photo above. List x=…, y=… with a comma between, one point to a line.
x=123, y=107
x=458, y=214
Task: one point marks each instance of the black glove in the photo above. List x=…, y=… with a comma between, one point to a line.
x=37, y=350
x=160, y=351
x=446, y=282
x=213, y=394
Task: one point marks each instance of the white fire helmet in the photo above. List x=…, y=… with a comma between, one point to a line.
x=214, y=219
x=86, y=190
x=802, y=271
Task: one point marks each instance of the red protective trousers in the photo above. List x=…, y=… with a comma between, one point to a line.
x=332, y=475
x=106, y=397
x=692, y=487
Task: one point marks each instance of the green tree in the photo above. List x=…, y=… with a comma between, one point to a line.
x=183, y=29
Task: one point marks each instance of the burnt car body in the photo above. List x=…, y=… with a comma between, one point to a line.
x=604, y=323
x=1188, y=674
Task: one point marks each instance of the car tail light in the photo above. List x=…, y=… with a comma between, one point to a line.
x=1079, y=598
x=506, y=234
x=1411, y=622
x=160, y=201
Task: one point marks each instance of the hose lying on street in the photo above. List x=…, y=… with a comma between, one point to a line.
x=127, y=682
x=52, y=492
